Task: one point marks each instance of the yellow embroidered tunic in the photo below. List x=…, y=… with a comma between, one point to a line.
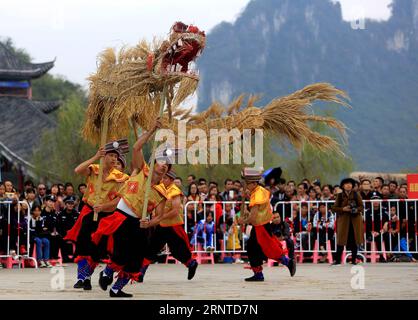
x=172, y=191
x=133, y=192
x=110, y=187
x=261, y=197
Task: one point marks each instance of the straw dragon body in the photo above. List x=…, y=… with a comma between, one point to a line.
x=127, y=87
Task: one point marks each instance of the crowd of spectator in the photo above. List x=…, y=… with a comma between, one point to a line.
x=302, y=215
x=53, y=211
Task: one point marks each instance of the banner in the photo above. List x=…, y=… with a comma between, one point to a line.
x=412, y=181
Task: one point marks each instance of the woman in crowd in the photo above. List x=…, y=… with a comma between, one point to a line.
x=193, y=195
x=350, y=229
x=313, y=196
x=213, y=191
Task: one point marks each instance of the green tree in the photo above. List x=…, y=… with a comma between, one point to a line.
x=220, y=172
x=22, y=54
x=50, y=87
x=310, y=163
x=62, y=148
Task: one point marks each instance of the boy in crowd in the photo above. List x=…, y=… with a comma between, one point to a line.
x=323, y=228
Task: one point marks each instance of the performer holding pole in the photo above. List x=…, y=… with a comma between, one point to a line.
x=171, y=230
x=126, y=242
x=103, y=201
x=261, y=244
x=154, y=145
x=103, y=136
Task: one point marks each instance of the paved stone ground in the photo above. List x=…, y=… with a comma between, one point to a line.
x=225, y=281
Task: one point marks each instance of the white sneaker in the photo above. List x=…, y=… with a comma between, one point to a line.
x=14, y=255
x=48, y=265
x=41, y=264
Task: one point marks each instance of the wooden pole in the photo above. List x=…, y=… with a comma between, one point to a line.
x=152, y=160
x=244, y=216
x=103, y=138
x=134, y=126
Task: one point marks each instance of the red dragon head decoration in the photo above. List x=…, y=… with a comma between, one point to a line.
x=185, y=44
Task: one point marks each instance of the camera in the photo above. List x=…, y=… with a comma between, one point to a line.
x=277, y=232
x=353, y=206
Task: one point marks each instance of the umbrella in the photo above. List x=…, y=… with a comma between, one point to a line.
x=272, y=173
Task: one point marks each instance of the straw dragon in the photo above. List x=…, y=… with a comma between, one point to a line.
x=127, y=87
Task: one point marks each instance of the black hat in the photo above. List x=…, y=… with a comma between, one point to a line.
x=375, y=195
x=69, y=199
x=119, y=147
x=122, y=159
x=50, y=197
x=171, y=174
x=166, y=153
x=347, y=180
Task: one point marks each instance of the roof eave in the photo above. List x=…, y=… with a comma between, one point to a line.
x=35, y=71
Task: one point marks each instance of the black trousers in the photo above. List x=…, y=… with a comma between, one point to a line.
x=129, y=245
x=321, y=235
x=290, y=247
x=351, y=244
x=57, y=243
x=54, y=243
x=66, y=251
x=255, y=253
x=84, y=245
x=179, y=246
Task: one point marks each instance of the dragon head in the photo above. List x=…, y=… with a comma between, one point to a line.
x=177, y=55
x=127, y=84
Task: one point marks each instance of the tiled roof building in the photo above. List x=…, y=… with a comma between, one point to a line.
x=21, y=118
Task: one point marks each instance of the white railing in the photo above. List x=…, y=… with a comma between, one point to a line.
x=6, y=207
x=379, y=234
x=382, y=234
x=200, y=213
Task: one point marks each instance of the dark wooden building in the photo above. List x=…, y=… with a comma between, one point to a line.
x=21, y=118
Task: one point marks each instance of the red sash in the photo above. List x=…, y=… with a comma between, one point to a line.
x=179, y=230
x=72, y=234
x=270, y=245
x=107, y=227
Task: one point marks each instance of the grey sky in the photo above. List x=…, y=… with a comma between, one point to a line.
x=75, y=31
